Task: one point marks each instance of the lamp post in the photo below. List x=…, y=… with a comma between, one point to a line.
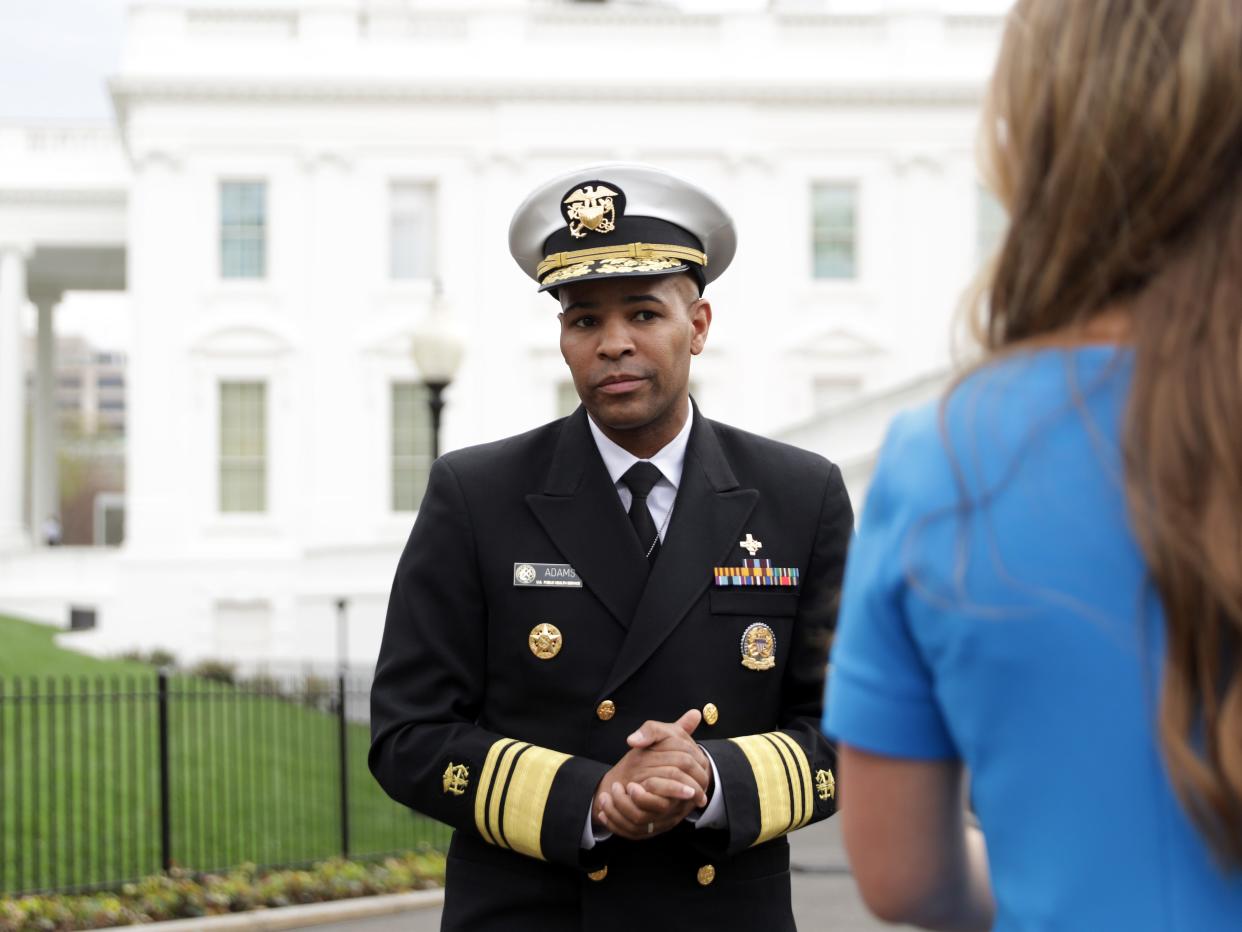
x=437, y=353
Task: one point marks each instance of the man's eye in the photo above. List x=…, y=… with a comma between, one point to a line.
x=583, y=321
x=645, y=315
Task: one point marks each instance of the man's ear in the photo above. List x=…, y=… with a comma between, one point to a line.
x=701, y=321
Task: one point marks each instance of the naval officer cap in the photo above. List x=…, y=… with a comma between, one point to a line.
x=620, y=220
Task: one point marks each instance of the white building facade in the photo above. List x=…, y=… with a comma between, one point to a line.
x=291, y=186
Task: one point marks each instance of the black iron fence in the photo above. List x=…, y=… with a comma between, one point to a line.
x=103, y=781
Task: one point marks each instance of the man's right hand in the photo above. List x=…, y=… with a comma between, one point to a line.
x=662, y=778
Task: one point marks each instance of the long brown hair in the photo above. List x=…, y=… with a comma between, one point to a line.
x=1114, y=138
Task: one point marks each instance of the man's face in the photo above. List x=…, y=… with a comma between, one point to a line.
x=628, y=343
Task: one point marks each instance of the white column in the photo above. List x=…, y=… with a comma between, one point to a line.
x=12, y=433
x=44, y=470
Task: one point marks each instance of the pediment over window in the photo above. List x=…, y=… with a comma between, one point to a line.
x=839, y=343
x=242, y=339
x=385, y=338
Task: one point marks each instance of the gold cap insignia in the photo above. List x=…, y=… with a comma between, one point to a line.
x=456, y=779
x=545, y=641
x=592, y=208
x=825, y=785
x=758, y=647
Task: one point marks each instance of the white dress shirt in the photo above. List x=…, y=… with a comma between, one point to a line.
x=669, y=460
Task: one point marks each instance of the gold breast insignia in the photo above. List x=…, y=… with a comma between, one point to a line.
x=758, y=647
x=456, y=779
x=592, y=208
x=825, y=785
x=545, y=641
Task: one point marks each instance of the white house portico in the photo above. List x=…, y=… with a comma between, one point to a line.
x=63, y=193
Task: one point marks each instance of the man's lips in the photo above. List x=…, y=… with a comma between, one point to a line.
x=620, y=384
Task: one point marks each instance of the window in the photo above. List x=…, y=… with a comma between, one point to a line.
x=243, y=229
x=243, y=447
x=411, y=445
x=991, y=222
x=412, y=229
x=833, y=234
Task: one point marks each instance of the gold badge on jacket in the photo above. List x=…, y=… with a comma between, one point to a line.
x=545, y=641
x=758, y=647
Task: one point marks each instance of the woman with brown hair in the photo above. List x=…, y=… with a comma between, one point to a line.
x=1046, y=588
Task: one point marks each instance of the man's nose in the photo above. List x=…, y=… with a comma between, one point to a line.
x=615, y=340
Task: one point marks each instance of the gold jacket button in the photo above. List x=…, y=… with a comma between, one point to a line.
x=706, y=875
x=606, y=710
x=599, y=874
x=711, y=714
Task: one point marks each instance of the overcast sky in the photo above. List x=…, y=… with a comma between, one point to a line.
x=55, y=55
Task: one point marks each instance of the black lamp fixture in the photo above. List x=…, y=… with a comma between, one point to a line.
x=437, y=353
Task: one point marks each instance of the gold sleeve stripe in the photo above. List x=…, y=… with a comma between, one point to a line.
x=495, y=801
x=513, y=793
x=526, y=797
x=795, y=799
x=487, y=797
x=784, y=802
x=802, y=767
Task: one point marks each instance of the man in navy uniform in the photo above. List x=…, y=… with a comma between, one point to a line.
x=604, y=653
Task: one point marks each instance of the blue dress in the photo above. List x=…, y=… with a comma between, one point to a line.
x=996, y=610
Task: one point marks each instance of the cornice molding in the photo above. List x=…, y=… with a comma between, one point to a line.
x=135, y=90
x=71, y=197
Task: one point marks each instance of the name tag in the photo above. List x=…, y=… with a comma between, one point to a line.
x=546, y=574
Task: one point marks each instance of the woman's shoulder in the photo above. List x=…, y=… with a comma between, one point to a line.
x=993, y=417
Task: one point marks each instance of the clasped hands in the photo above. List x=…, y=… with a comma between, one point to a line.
x=662, y=779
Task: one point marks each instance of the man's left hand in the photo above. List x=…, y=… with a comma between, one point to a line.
x=650, y=804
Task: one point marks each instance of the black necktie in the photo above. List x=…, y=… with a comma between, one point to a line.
x=639, y=479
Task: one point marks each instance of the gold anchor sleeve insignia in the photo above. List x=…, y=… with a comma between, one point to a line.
x=825, y=785
x=456, y=779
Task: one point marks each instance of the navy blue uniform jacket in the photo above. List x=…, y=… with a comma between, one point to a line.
x=472, y=728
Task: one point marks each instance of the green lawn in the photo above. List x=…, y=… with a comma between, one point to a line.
x=27, y=649
x=254, y=771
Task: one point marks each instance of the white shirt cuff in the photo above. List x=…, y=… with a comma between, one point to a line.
x=589, y=837
x=713, y=814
